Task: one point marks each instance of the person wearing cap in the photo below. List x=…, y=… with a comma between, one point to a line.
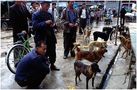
x=43, y=26
x=33, y=67
x=69, y=15
x=109, y=14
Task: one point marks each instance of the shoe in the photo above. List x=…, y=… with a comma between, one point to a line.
x=65, y=57
x=54, y=68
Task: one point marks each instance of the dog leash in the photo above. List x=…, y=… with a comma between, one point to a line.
x=118, y=74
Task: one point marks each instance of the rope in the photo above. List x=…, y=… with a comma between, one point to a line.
x=127, y=73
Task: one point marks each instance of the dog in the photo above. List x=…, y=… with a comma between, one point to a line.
x=91, y=46
x=87, y=28
x=98, y=44
x=126, y=35
x=104, y=34
x=107, y=30
x=88, y=70
x=92, y=56
x=126, y=43
x=123, y=29
x=86, y=36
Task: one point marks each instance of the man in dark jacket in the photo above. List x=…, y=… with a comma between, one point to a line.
x=122, y=16
x=43, y=27
x=18, y=18
x=33, y=67
x=70, y=16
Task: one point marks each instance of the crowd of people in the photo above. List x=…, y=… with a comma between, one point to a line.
x=34, y=66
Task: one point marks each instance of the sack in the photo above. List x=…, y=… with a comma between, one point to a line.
x=66, y=27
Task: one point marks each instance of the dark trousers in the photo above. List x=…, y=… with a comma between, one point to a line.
x=97, y=20
x=122, y=20
x=83, y=23
x=51, y=52
x=91, y=20
x=69, y=39
x=33, y=82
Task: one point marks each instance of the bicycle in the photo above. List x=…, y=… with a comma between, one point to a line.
x=119, y=30
x=17, y=51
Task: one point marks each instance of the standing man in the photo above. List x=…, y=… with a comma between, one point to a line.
x=43, y=27
x=32, y=69
x=92, y=15
x=54, y=13
x=70, y=16
x=97, y=15
x=122, y=16
x=83, y=15
x=19, y=19
x=110, y=13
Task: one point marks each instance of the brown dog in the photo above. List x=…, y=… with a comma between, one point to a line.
x=126, y=43
x=88, y=70
x=98, y=44
x=92, y=56
x=126, y=35
x=91, y=46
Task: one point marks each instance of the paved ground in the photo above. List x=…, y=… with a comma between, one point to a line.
x=65, y=79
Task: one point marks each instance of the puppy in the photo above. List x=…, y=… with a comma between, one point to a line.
x=87, y=37
x=92, y=56
x=126, y=43
x=87, y=28
x=88, y=70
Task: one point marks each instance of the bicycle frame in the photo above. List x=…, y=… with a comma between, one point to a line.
x=26, y=43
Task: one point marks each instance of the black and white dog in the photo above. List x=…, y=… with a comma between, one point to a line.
x=104, y=34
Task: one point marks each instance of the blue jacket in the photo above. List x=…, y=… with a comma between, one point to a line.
x=41, y=29
x=30, y=65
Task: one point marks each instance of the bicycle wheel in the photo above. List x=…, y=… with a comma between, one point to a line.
x=14, y=55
